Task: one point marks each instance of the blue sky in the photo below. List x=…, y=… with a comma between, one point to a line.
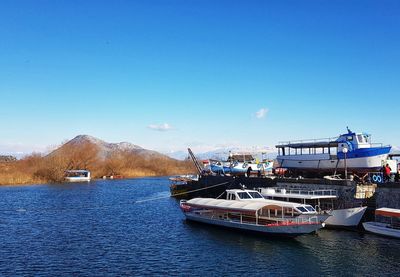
x=200, y=70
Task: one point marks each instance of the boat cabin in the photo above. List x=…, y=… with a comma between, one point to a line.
x=322, y=200
x=279, y=207
x=331, y=146
x=77, y=175
x=389, y=216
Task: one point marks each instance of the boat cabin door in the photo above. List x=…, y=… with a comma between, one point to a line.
x=230, y=196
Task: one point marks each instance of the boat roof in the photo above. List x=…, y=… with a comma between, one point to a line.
x=243, y=206
x=240, y=158
x=77, y=171
x=241, y=190
x=288, y=194
x=309, y=144
x=388, y=212
x=240, y=205
x=273, y=202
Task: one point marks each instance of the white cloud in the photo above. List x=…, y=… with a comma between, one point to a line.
x=261, y=113
x=160, y=127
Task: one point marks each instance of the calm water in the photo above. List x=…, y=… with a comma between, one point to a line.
x=98, y=229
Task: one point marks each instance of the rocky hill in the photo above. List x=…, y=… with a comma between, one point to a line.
x=7, y=158
x=106, y=149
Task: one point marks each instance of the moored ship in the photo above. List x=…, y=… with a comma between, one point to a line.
x=351, y=151
x=247, y=210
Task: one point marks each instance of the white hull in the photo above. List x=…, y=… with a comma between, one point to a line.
x=291, y=230
x=381, y=229
x=325, y=161
x=77, y=179
x=346, y=217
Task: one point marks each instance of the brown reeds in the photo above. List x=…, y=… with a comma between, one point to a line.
x=36, y=169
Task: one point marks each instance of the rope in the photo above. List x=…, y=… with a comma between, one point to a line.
x=23, y=210
x=182, y=193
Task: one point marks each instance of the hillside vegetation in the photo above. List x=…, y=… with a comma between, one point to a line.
x=86, y=155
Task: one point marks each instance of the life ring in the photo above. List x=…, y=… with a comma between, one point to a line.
x=377, y=178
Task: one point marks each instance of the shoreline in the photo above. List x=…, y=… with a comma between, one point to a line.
x=94, y=179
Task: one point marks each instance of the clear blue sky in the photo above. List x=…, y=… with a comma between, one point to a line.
x=117, y=70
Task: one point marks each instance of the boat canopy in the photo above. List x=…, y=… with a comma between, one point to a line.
x=388, y=212
x=242, y=206
x=319, y=144
x=77, y=171
x=298, y=193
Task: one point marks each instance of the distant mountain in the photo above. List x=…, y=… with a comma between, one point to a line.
x=7, y=158
x=178, y=155
x=107, y=148
x=223, y=153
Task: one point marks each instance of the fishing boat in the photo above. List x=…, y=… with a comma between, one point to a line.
x=351, y=151
x=180, y=185
x=247, y=210
x=326, y=202
x=77, y=175
x=241, y=164
x=388, y=223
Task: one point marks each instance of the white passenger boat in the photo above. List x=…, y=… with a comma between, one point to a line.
x=325, y=202
x=388, y=224
x=353, y=151
x=251, y=213
x=77, y=176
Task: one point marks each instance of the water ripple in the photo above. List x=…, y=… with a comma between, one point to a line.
x=97, y=230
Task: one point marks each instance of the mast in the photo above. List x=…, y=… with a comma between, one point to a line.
x=195, y=161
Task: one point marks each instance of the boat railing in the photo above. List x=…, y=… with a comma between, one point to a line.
x=294, y=221
x=330, y=139
x=252, y=219
x=321, y=192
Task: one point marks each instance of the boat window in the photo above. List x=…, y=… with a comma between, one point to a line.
x=310, y=208
x=360, y=138
x=244, y=195
x=349, y=138
x=301, y=209
x=292, y=151
x=318, y=151
x=255, y=194
x=333, y=151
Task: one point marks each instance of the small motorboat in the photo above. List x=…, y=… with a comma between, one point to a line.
x=387, y=223
x=77, y=175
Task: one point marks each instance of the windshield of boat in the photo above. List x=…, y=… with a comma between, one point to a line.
x=302, y=209
x=244, y=195
x=310, y=208
x=255, y=194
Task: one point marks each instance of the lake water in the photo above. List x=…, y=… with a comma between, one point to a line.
x=100, y=229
